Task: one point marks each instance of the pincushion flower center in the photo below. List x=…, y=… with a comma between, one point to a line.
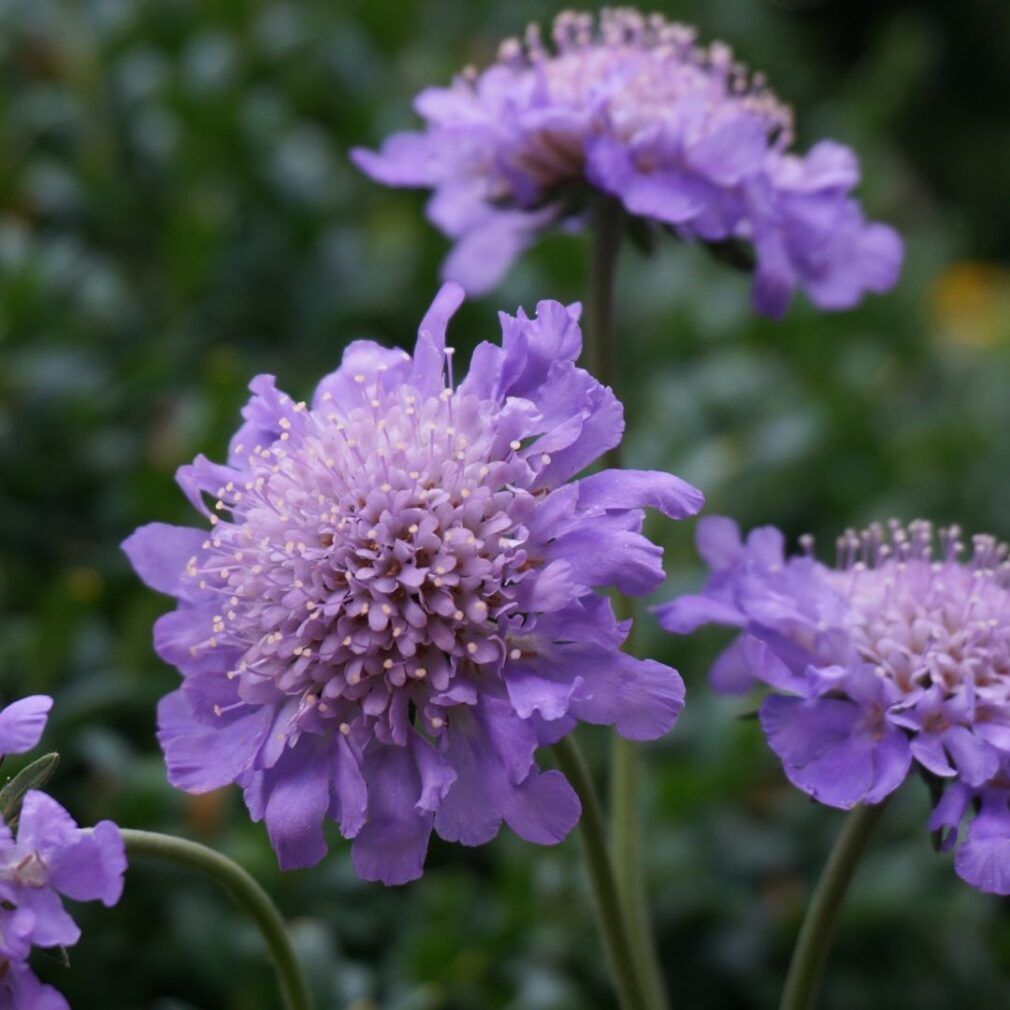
x=370, y=552
x=926, y=622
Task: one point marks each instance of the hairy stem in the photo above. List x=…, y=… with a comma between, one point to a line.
x=815, y=934
x=609, y=908
x=246, y=892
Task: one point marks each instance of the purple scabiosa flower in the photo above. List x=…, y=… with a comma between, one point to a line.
x=395, y=604
x=893, y=658
x=50, y=856
x=680, y=134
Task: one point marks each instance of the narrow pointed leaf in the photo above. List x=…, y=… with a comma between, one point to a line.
x=34, y=776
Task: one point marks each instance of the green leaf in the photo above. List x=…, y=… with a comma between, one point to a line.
x=34, y=776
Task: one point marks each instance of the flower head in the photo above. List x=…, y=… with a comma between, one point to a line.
x=679, y=133
x=899, y=655
x=395, y=603
x=50, y=856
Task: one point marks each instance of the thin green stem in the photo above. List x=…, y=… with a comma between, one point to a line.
x=608, y=228
x=818, y=925
x=625, y=767
x=246, y=892
x=626, y=778
x=609, y=909
x=626, y=775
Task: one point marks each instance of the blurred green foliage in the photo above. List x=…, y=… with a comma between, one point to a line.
x=177, y=213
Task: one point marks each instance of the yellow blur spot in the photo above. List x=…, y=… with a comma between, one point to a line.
x=84, y=585
x=971, y=305
x=204, y=813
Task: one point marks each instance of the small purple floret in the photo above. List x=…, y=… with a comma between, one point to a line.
x=396, y=602
x=679, y=133
x=892, y=660
x=49, y=858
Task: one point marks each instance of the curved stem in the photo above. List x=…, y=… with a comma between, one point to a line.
x=244, y=890
x=818, y=924
x=610, y=912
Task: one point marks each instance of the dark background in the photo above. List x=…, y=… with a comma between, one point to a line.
x=177, y=213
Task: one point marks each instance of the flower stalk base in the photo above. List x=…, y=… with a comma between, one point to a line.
x=246, y=892
x=818, y=926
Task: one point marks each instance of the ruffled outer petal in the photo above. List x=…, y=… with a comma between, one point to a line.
x=17, y=925
x=201, y=757
x=865, y=257
x=948, y=813
x=92, y=870
x=180, y=639
x=828, y=167
x=491, y=751
x=595, y=417
x=533, y=346
x=20, y=989
x=689, y=612
x=671, y=196
x=22, y=723
x=731, y=148
x=484, y=254
x=202, y=477
x=983, y=859
x=633, y=489
x=740, y=573
x=731, y=672
x=808, y=233
x=406, y=159
x=609, y=550
x=533, y=691
x=159, y=554
x=349, y=802
x=719, y=542
x=262, y=415
x=976, y=761
x=640, y=698
x=428, y=368
x=766, y=664
x=363, y=362
x=928, y=750
x=826, y=752
x=44, y=826
x=578, y=419
x=529, y=349
x=53, y=925
x=393, y=843
x=297, y=798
